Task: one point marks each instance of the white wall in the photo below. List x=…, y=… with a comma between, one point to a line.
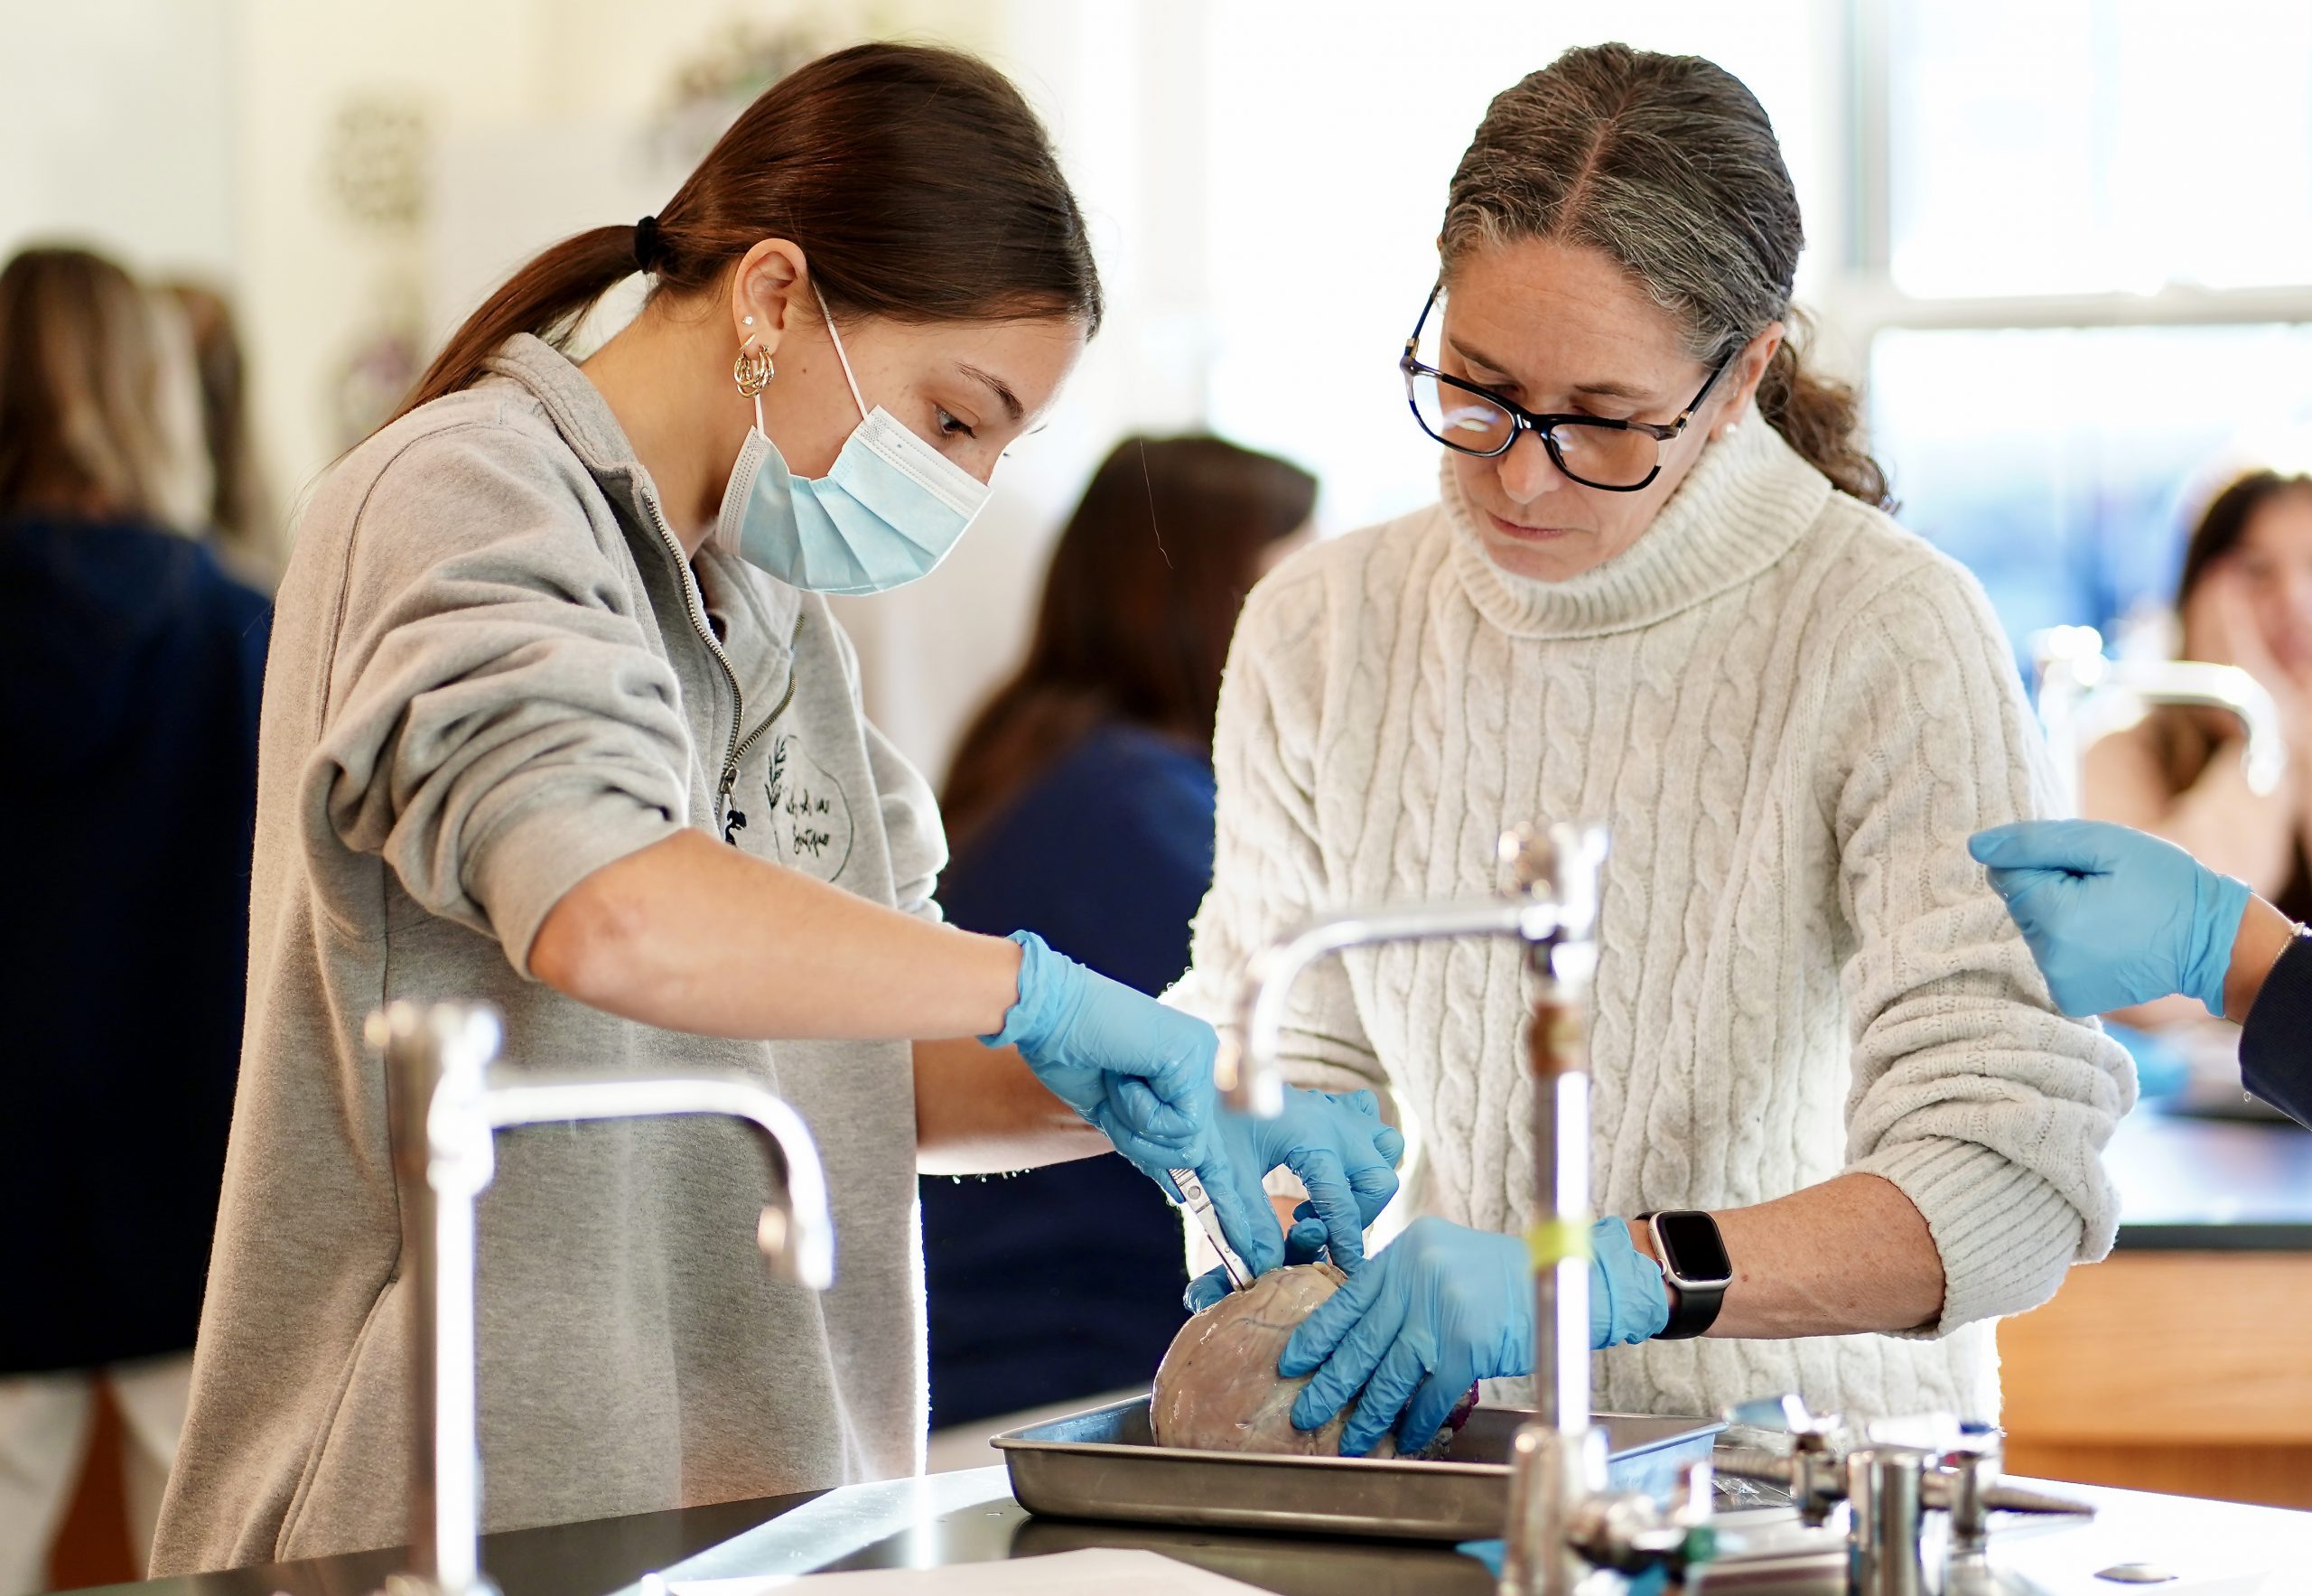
x=1263, y=183
x=116, y=129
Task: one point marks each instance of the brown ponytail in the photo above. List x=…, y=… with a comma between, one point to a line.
x=917, y=181
x=1820, y=418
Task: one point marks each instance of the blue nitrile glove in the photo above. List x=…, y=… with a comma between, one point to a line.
x=2114, y=916
x=1456, y=1307
x=1627, y=1300
x=1138, y=1070
x=1337, y=1145
x=1440, y=1307
x=2161, y=1067
x=1652, y=1582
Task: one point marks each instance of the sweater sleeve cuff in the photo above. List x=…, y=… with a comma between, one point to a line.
x=523, y=868
x=2005, y=1234
x=2276, y=1043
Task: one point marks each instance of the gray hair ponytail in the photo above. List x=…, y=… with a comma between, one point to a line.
x=1669, y=165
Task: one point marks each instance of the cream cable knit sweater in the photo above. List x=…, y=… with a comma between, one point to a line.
x=1792, y=713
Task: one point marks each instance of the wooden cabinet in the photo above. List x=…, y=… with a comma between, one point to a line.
x=2186, y=1372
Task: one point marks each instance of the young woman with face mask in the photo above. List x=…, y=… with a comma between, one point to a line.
x=1660, y=590
x=558, y=719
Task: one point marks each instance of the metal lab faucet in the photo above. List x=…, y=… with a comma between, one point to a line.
x=446, y=1103
x=1564, y=1531
x=2083, y=694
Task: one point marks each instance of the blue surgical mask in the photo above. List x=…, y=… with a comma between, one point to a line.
x=888, y=512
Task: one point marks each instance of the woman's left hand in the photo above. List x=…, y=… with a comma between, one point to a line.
x=1442, y=1307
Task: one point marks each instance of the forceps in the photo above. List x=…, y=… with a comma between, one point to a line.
x=1198, y=1201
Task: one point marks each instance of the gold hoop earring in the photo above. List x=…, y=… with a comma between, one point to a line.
x=752, y=370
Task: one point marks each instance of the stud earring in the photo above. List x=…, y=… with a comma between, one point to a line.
x=748, y=322
x=752, y=370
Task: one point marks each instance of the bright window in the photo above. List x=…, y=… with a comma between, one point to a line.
x=2072, y=146
x=2066, y=483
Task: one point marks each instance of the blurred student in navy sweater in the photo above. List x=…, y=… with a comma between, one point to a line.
x=1080, y=807
x=130, y=671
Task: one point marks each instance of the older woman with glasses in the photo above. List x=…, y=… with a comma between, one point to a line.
x=1838, y=1121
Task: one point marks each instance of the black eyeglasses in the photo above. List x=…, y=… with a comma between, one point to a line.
x=1619, y=456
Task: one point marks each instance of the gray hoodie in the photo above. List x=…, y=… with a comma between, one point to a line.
x=490, y=676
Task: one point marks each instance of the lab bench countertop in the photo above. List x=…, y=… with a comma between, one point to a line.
x=945, y=1520
x=2196, y=1184
x=2188, y=1184
x=937, y=1521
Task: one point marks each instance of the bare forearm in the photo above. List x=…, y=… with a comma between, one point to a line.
x=2160, y=1013
x=2263, y=936
x=981, y=1111
x=1850, y=1255
x=693, y=935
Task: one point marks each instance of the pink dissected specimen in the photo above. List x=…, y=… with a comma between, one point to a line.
x=1217, y=1389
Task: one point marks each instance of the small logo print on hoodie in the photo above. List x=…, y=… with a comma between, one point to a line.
x=808, y=816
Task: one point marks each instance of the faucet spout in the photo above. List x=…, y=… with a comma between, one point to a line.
x=1247, y=1069
x=446, y=1099
x=1562, y=1528
x=2084, y=695
x=796, y=1232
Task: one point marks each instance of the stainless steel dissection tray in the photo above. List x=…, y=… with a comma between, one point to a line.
x=1102, y=1464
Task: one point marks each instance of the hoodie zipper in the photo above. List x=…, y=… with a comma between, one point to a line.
x=736, y=820
x=734, y=748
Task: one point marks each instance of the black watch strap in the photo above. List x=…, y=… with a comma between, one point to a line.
x=1696, y=1302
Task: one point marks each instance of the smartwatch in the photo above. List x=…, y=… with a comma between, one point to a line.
x=1693, y=1259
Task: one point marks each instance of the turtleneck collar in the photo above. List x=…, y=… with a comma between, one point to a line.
x=1746, y=503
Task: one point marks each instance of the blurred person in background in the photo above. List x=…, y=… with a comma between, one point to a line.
x=1079, y=805
x=2244, y=599
x=130, y=669
x=243, y=522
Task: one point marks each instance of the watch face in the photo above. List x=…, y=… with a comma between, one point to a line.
x=1695, y=1251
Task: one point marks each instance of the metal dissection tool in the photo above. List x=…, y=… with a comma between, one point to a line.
x=446, y=1103
x=1198, y=1201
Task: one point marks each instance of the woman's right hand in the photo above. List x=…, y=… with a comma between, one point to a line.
x=2114, y=916
x=1343, y=1153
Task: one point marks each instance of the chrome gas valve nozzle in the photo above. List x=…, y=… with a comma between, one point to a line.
x=1889, y=1480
